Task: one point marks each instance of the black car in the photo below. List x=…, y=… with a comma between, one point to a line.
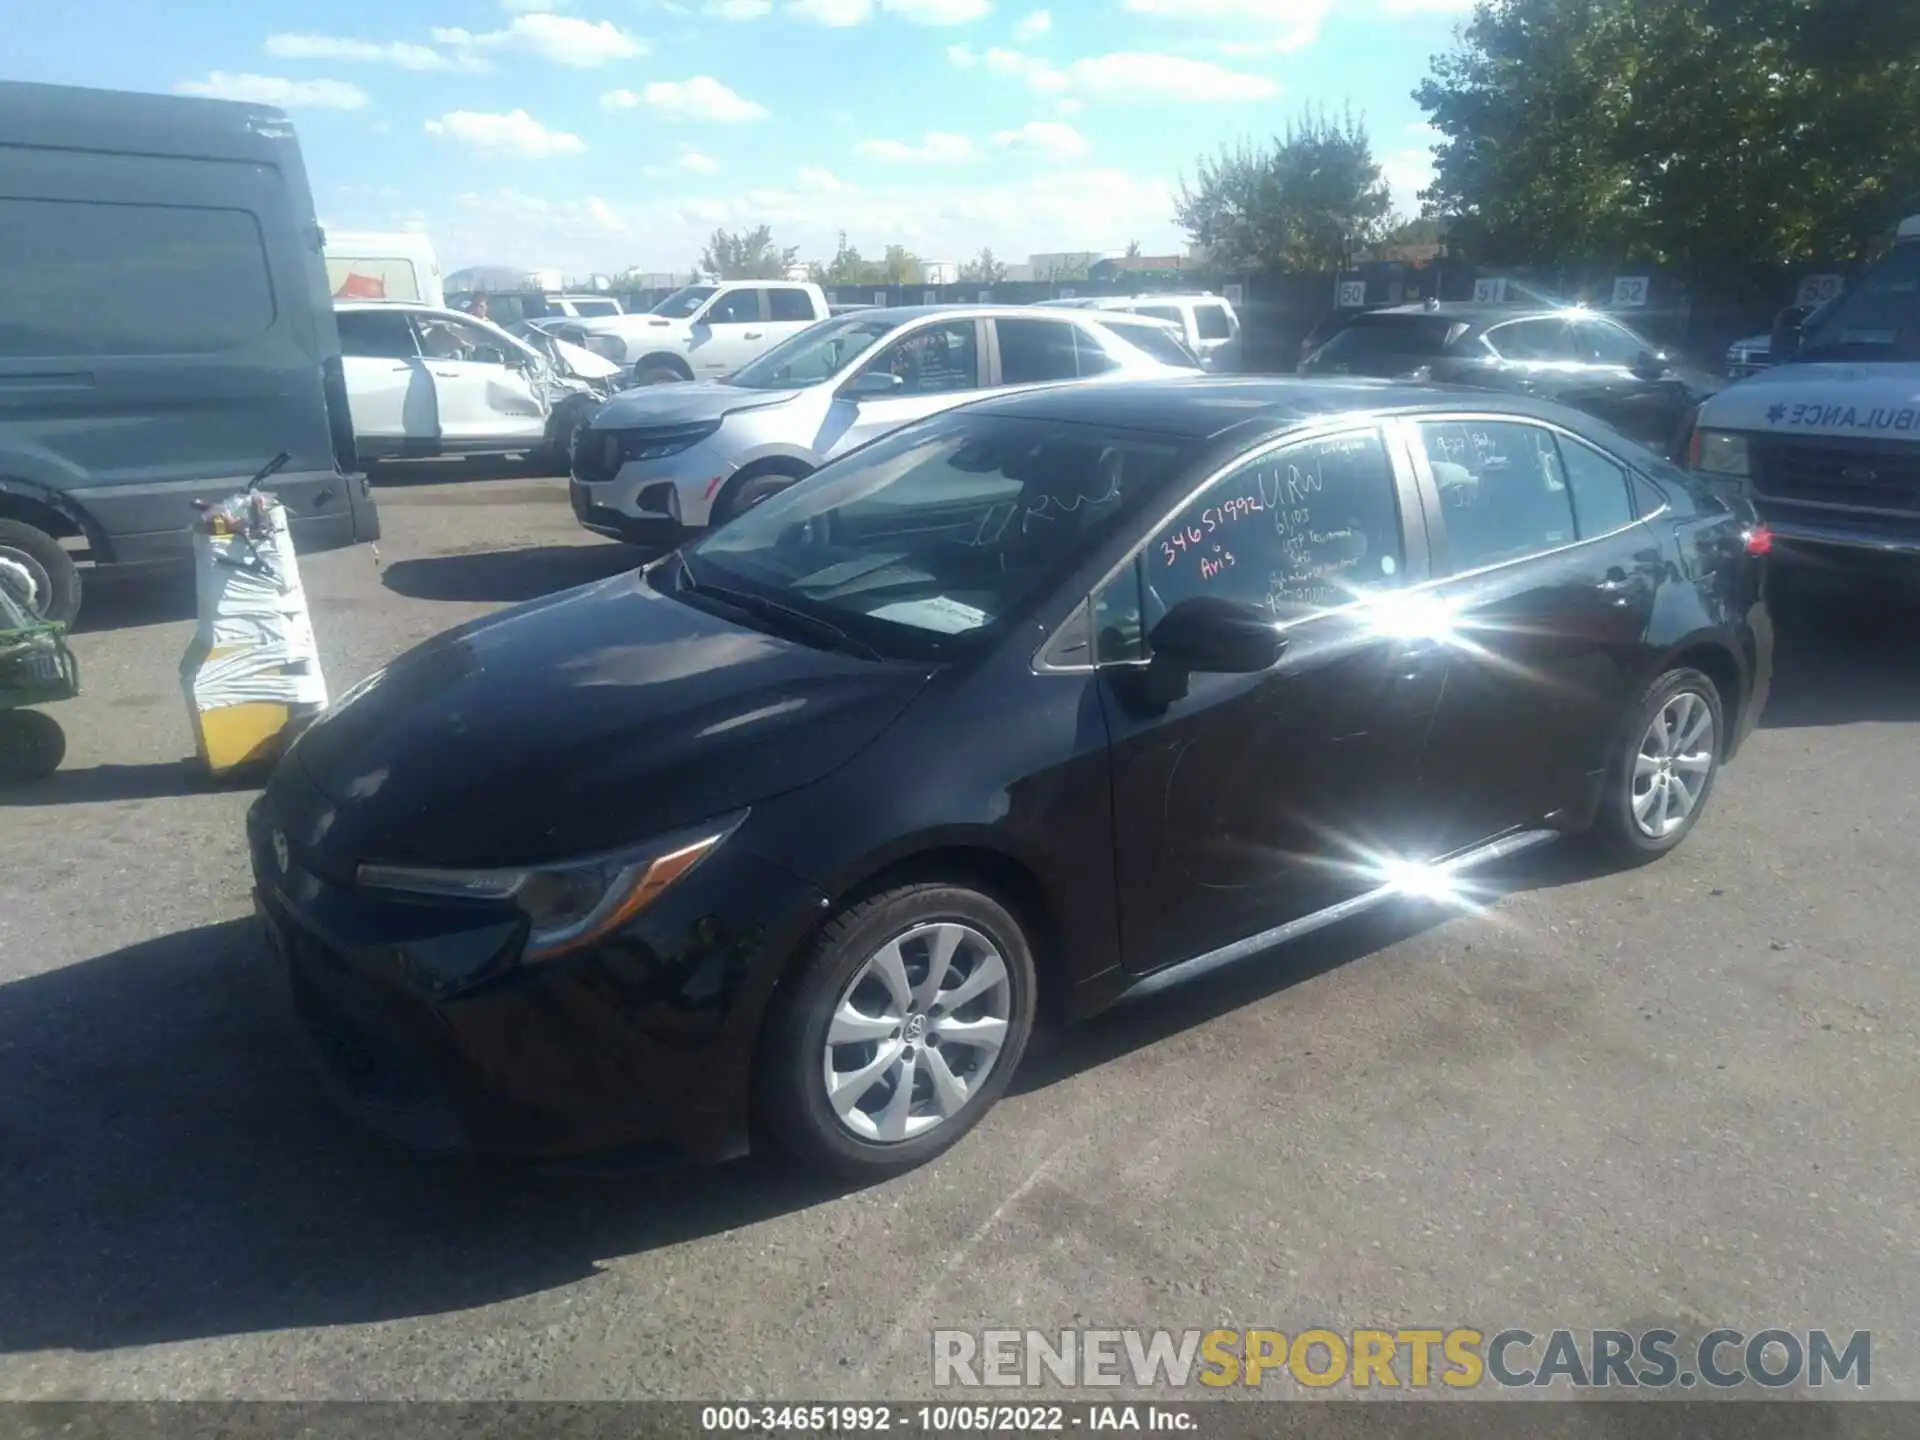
x=1578, y=357
x=1043, y=701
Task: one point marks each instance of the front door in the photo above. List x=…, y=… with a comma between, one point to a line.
x=1647, y=407
x=1257, y=799
x=1553, y=591
x=938, y=366
x=486, y=395
x=729, y=333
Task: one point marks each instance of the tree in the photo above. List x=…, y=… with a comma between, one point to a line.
x=1701, y=135
x=900, y=266
x=1304, y=202
x=983, y=269
x=1133, y=250
x=751, y=256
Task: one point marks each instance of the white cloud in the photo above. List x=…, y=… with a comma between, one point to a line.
x=739, y=9
x=1427, y=7
x=837, y=13
x=701, y=98
x=822, y=182
x=1130, y=75
x=1040, y=74
x=277, y=90
x=1407, y=173
x=1036, y=24
x=515, y=133
x=332, y=47
x=936, y=148
x=515, y=7
x=1266, y=27
x=1045, y=137
x=698, y=163
x=937, y=12
x=563, y=39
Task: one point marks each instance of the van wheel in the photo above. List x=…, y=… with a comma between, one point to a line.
x=897, y=1032
x=38, y=571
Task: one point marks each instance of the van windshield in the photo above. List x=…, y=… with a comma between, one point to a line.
x=1879, y=319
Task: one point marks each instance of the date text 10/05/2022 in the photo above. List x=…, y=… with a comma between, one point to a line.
x=943, y=1419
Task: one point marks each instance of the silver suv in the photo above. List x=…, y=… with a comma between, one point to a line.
x=664, y=460
x=1208, y=322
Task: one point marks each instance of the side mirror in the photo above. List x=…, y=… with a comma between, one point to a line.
x=1210, y=635
x=1649, y=366
x=872, y=384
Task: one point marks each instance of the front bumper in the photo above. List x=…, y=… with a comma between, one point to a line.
x=678, y=488
x=653, y=531
x=421, y=1020
x=1850, y=544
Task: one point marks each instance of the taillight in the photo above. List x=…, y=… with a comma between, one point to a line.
x=1693, y=447
x=1758, y=540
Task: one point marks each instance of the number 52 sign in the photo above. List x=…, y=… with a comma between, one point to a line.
x=1630, y=290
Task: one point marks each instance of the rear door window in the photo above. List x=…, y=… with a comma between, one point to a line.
x=1210, y=319
x=1035, y=351
x=790, y=305
x=376, y=334
x=1602, y=497
x=92, y=278
x=1545, y=341
x=1502, y=490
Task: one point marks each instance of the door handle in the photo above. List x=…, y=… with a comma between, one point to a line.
x=1616, y=580
x=752, y=334
x=448, y=374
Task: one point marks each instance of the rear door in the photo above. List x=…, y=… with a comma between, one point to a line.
x=389, y=390
x=938, y=365
x=1253, y=800
x=1551, y=577
x=731, y=331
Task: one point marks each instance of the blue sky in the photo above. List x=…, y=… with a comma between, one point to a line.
x=594, y=134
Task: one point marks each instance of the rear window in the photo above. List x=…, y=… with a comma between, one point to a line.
x=1211, y=321
x=595, y=307
x=1170, y=313
x=1373, y=336
x=89, y=278
x=1151, y=340
x=366, y=278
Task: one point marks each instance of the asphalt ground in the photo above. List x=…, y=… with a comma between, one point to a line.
x=1682, y=1096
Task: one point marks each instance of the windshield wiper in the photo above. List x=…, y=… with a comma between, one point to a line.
x=760, y=605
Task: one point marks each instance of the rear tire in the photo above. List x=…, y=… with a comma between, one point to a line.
x=953, y=1040
x=656, y=374
x=743, y=495
x=32, y=745
x=32, y=560
x=1662, y=773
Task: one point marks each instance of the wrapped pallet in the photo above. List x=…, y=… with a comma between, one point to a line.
x=252, y=673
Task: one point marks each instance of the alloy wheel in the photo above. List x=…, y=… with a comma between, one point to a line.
x=916, y=1032
x=1672, y=765
x=26, y=578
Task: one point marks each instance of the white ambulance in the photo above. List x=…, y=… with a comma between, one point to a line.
x=1826, y=441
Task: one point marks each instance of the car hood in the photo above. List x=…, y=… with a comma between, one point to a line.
x=589, y=720
x=1819, y=398
x=691, y=403
x=584, y=363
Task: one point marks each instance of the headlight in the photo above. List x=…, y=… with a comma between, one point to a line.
x=572, y=903
x=658, y=444
x=1719, y=452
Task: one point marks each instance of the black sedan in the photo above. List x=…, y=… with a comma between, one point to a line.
x=1578, y=357
x=1046, y=701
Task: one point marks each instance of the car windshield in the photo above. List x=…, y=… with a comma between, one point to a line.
x=1156, y=343
x=1370, y=342
x=817, y=353
x=683, y=302
x=1877, y=320
x=923, y=544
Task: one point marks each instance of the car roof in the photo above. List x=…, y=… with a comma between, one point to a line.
x=1208, y=407
x=905, y=314
x=1485, y=317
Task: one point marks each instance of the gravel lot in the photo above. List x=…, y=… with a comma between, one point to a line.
x=1683, y=1095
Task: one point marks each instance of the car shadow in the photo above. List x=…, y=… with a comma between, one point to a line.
x=1844, y=654
x=169, y=1170
x=125, y=600
x=97, y=783
x=509, y=575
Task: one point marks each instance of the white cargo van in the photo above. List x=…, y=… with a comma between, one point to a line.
x=1826, y=440
x=365, y=266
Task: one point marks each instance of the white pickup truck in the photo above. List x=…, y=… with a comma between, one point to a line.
x=701, y=332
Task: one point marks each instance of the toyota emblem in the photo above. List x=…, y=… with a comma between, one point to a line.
x=283, y=857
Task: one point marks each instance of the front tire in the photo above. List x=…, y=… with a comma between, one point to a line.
x=644, y=374
x=898, y=1031
x=33, y=561
x=1663, y=770
x=32, y=745
x=743, y=495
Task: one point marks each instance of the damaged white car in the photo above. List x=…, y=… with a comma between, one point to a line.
x=424, y=382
